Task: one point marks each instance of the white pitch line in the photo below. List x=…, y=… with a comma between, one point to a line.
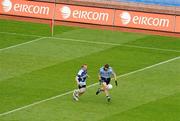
x=151, y=48
x=91, y=42
x=13, y=46
x=69, y=92
x=28, y=35
x=148, y=67
x=116, y=44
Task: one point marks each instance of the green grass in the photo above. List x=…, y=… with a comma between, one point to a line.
x=38, y=70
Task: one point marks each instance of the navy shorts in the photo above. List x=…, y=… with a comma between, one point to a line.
x=106, y=80
x=83, y=86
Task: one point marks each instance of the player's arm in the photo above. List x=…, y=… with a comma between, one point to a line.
x=115, y=77
x=78, y=77
x=99, y=77
x=87, y=76
x=77, y=81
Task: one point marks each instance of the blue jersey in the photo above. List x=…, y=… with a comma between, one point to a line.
x=106, y=74
x=81, y=76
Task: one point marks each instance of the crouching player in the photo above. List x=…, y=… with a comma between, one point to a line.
x=81, y=82
x=105, y=74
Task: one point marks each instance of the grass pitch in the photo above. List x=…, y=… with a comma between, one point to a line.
x=35, y=67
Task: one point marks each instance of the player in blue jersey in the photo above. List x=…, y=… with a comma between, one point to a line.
x=105, y=74
x=81, y=82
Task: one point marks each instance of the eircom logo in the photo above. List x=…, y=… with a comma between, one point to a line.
x=65, y=12
x=125, y=18
x=6, y=5
x=25, y=8
x=143, y=19
x=76, y=13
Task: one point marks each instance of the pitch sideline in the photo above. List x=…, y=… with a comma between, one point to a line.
x=13, y=46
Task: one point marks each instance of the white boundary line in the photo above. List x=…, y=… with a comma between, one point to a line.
x=152, y=48
x=28, y=35
x=34, y=40
x=116, y=44
x=91, y=42
x=148, y=67
x=69, y=92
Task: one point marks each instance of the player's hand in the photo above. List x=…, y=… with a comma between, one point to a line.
x=116, y=82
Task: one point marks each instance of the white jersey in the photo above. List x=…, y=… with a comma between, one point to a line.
x=81, y=77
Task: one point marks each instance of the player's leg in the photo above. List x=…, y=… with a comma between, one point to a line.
x=75, y=94
x=101, y=89
x=82, y=91
x=106, y=90
x=104, y=87
x=78, y=92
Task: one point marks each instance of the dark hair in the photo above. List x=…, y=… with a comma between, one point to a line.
x=106, y=66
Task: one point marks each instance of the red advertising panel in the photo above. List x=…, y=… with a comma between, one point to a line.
x=144, y=20
x=27, y=8
x=84, y=14
x=177, y=29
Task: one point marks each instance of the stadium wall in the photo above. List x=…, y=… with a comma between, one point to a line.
x=91, y=16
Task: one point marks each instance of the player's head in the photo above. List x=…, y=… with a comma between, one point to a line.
x=106, y=67
x=84, y=66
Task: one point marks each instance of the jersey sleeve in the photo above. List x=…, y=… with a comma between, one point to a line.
x=112, y=71
x=80, y=73
x=100, y=71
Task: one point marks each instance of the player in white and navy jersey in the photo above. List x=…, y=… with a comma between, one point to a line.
x=81, y=82
x=105, y=74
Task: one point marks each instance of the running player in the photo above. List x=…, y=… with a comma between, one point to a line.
x=105, y=74
x=81, y=82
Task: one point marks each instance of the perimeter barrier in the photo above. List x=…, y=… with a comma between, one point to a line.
x=91, y=15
